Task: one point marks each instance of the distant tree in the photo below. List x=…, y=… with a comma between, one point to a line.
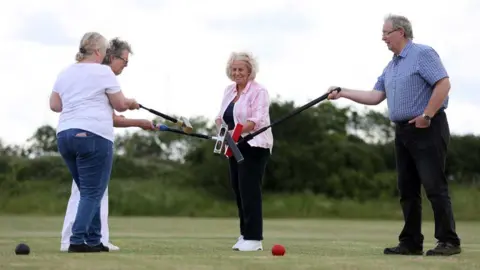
x=43, y=142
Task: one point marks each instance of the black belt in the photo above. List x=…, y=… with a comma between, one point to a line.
x=405, y=122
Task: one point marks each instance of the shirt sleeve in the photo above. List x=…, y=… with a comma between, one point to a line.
x=430, y=66
x=380, y=84
x=56, y=85
x=260, y=108
x=109, y=80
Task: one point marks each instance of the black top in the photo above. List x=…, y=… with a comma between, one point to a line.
x=228, y=116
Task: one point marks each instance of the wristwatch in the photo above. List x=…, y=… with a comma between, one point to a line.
x=426, y=117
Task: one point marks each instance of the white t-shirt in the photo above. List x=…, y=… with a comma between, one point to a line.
x=83, y=89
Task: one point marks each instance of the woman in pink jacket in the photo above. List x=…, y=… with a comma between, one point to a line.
x=247, y=102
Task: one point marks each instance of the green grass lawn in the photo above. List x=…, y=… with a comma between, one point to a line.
x=183, y=243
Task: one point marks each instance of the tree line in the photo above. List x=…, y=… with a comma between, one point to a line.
x=328, y=150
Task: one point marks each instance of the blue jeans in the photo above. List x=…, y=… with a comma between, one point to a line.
x=89, y=158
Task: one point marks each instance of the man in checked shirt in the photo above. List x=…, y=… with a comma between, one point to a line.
x=416, y=86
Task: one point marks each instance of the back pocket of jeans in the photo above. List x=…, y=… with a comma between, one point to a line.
x=84, y=142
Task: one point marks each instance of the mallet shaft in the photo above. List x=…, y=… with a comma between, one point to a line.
x=198, y=135
x=184, y=123
x=230, y=142
x=169, y=118
x=291, y=114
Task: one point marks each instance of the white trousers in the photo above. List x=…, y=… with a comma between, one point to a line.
x=71, y=213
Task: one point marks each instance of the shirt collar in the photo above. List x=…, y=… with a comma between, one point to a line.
x=245, y=90
x=405, y=50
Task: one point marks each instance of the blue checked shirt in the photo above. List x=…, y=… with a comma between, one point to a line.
x=408, y=81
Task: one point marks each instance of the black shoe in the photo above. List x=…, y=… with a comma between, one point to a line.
x=402, y=250
x=101, y=247
x=82, y=248
x=444, y=249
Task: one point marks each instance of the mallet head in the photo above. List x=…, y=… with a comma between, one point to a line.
x=185, y=125
x=237, y=132
x=220, y=139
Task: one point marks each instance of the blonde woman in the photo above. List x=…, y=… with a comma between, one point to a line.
x=85, y=94
x=247, y=102
x=116, y=58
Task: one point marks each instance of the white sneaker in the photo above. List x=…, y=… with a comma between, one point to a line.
x=239, y=241
x=112, y=247
x=64, y=247
x=250, y=245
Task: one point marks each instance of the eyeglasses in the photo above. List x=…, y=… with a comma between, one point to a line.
x=124, y=60
x=389, y=32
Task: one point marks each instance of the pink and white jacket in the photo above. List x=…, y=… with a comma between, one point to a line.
x=252, y=105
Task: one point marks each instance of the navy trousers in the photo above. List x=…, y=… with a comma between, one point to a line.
x=246, y=180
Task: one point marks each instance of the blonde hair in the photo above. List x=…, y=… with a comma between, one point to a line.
x=248, y=59
x=90, y=42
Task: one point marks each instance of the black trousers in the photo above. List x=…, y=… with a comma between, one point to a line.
x=246, y=180
x=420, y=158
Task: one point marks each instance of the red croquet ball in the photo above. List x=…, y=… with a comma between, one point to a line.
x=278, y=250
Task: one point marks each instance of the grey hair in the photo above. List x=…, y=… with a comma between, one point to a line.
x=400, y=22
x=248, y=59
x=90, y=42
x=116, y=47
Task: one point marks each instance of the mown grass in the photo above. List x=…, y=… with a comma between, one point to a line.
x=157, y=198
x=200, y=243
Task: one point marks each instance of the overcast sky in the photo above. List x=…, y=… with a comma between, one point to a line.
x=181, y=47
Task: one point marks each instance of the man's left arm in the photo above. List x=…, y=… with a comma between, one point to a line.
x=431, y=68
